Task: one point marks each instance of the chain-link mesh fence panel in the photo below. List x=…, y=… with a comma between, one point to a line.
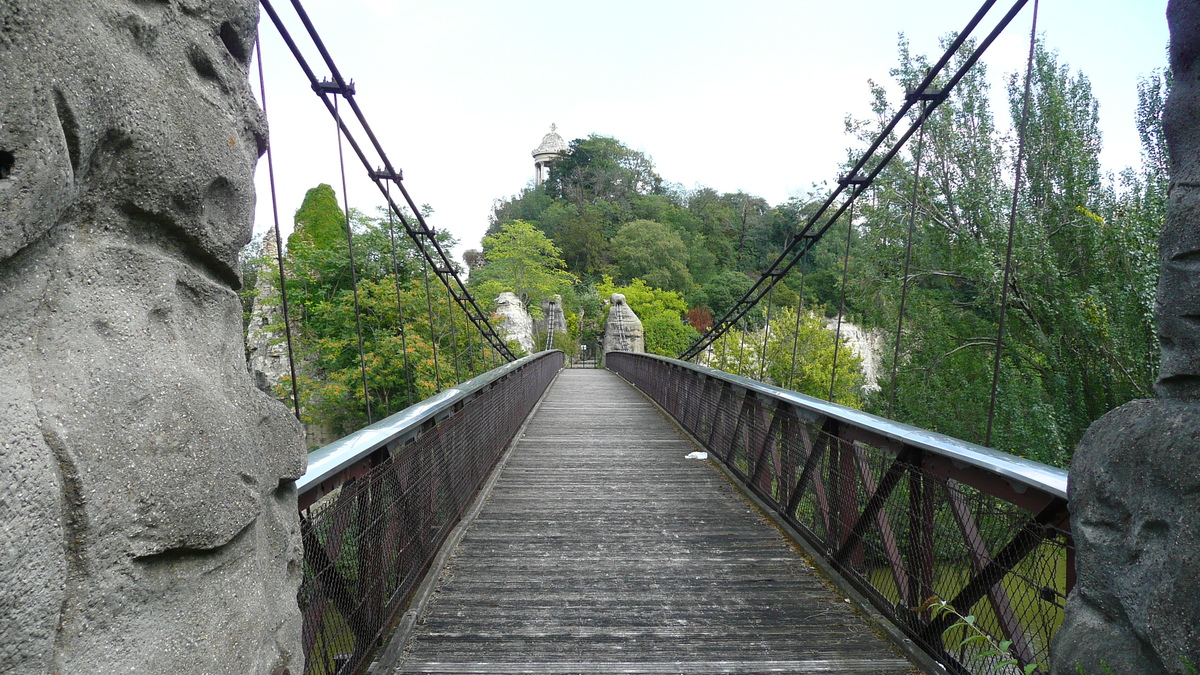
x=369, y=540
x=907, y=527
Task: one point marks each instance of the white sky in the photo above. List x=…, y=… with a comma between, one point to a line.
x=747, y=95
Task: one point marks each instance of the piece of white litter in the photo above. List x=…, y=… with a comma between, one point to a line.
x=697, y=455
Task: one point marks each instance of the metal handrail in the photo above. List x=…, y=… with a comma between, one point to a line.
x=902, y=514
x=1024, y=473
x=330, y=460
x=376, y=506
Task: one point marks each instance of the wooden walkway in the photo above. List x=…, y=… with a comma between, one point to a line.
x=602, y=549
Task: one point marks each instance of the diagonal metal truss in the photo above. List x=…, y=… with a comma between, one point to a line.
x=422, y=235
x=859, y=178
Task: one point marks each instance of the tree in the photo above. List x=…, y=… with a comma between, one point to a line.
x=812, y=344
x=399, y=356
x=519, y=258
x=600, y=169
x=724, y=290
x=650, y=251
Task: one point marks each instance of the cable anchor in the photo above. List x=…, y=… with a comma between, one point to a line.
x=332, y=87
x=383, y=174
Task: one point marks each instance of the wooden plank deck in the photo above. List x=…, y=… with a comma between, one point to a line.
x=603, y=550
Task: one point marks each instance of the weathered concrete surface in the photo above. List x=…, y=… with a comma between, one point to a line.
x=1135, y=477
x=623, y=329
x=517, y=324
x=147, y=499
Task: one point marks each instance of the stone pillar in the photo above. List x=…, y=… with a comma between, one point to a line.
x=517, y=324
x=623, y=330
x=266, y=345
x=553, y=318
x=1135, y=477
x=149, y=517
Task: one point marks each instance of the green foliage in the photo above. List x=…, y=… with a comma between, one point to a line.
x=601, y=169
x=519, y=258
x=1079, y=333
x=610, y=213
x=1080, y=336
x=321, y=295
x=965, y=635
x=650, y=251
x=320, y=223
x=741, y=352
x=250, y=259
x=724, y=290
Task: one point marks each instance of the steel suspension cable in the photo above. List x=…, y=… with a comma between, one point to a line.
x=1012, y=224
x=421, y=234
x=287, y=323
x=471, y=353
x=796, y=334
x=433, y=337
x=400, y=311
x=762, y=361
x=362, y=358
x=837, y=340
x=453, y=338
x=864, y=171
x=742, y=350
x=912, y=214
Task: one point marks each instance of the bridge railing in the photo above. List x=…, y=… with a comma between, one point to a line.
x=376, y=505
x=903, y=514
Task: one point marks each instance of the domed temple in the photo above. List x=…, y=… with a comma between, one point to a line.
x=552, y=147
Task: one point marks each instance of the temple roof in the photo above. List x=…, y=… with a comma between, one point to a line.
x=552, y=143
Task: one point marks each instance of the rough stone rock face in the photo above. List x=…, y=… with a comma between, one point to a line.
x=267, y=346
x=866, y=345
x=517, y=324
x=1179, y=245
x=623, y=330
x=553, y=317
x=1135, y=516
x=147, y=497
x=1135, y=477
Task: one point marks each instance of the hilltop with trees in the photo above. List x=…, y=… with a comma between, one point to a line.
x=1079, y=341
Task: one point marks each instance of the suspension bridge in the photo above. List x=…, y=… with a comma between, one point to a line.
x=656, y=515
x=540, y=520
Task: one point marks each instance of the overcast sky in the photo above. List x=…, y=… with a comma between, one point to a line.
x=749, y=95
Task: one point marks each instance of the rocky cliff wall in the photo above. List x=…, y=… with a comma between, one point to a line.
x=866, y=345
x=516, y=324
x=149, y=511
x=1135, y=477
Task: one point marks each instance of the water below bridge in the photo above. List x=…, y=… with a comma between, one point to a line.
x=601, y=548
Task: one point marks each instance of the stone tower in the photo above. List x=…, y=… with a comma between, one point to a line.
x=552, y=147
